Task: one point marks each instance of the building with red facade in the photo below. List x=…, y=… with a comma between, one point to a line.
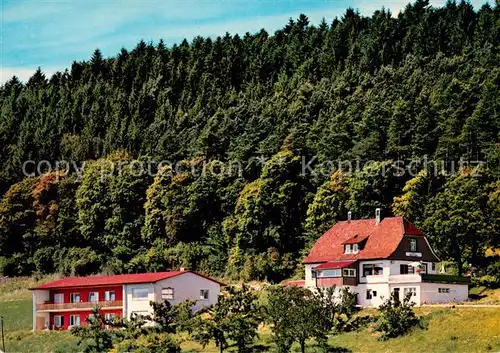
x=67, y=302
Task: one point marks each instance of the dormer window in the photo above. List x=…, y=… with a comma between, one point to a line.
x=355, y=248
x=347, y=248
x=413, y=245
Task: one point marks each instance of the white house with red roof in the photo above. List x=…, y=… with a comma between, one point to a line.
x=377, y=257
x=67, y=302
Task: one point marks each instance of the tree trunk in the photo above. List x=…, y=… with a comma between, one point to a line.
x=303, y=346
x=457, y=254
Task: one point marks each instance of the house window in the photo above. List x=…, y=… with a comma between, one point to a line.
x=74, y=297
x=109, y=296
x=373, y=270
x=74, y=320
x=167, y=293
x=369, y=294
x=337, y=272
x=109, y=318
x=58, y=321
x=433, y=266
x=411, y=290
x=140, y=293
x=413, y=245
x=355, y=248
x=93, y=297
x=443, y=290
x=374, y=293
x=58, y=298
x=349, y=272
x=204, y=294
x=424, y=268
x=406, y=269
x=313, y=274
x=347, y=248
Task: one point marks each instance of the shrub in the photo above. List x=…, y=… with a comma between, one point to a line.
x=43, y=260
x=296, y=315
x=151, y=343
x=347, y=304
x=235, y=317
x=397, y=317
x=17, y=265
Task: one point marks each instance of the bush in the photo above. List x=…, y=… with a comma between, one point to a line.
x=487, y=281
x=77, y=261
x=43, y=260
x=151, y=343
x=16, y=265
x=397, y=317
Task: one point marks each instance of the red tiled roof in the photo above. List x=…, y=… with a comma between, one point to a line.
x=92, y=281
x=356, y=239
x=382, y=239
x=334, y=264
x=410, y=229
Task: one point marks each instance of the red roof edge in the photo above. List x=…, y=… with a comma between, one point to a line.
x=334, y=264
x=410, y=229
x=174, y=274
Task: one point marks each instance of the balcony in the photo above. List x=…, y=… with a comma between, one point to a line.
x=409, y=278
x=49, y=306
x=373, y=279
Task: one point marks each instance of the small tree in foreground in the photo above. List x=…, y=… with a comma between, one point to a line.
x=234, y=317
x=397, y=317
x=172, y=318
x=295, y=315
x=93, y=334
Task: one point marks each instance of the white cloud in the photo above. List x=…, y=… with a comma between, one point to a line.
x=22, y=73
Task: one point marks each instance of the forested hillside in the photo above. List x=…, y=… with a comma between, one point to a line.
x=420, y=86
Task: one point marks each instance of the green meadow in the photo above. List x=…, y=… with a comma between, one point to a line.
x=459, y=329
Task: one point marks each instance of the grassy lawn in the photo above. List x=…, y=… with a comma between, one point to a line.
x=461, y=329
x=17, y=314
x=448, y=330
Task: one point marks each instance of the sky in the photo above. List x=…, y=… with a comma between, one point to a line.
x=53, y=33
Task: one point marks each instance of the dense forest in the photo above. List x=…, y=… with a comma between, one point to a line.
x=419, y=86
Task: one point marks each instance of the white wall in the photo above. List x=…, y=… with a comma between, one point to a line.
x=430, y=293
x=310, y=282
x=382, y=290
x=416, y=298
x=188, y=286
x=40, y=297
x=141, y=306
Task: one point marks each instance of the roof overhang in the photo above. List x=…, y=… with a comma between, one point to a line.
x=77, y=284
x=334, y=265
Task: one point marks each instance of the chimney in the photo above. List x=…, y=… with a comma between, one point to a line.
x=349, y=216
x=377, y=216
x=182, y=269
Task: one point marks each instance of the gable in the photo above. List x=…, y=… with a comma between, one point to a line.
x=381, y=240
x=424, y=251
